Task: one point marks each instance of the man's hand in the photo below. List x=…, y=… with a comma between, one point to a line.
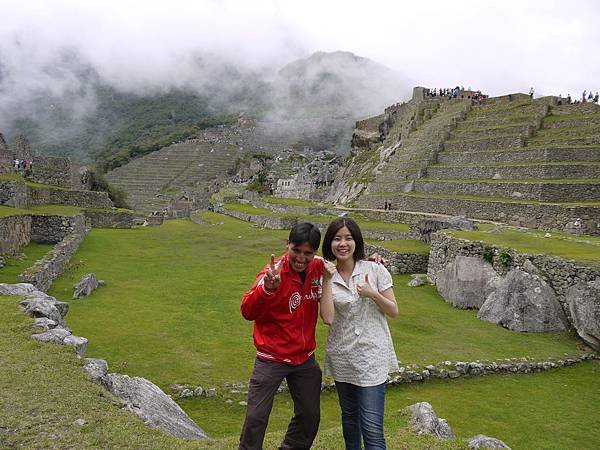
x=365, y=289
x=377, y=258
x=330, y=270
x=272, y=278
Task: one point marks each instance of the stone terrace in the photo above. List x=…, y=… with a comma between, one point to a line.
x=529, y=163
x=188, y=167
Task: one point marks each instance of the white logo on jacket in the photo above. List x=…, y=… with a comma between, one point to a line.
x=296, y=299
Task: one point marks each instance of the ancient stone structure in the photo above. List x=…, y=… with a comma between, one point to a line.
x=15, y=232
x=55, y=262
x=6, y=156
x=21, y=148
x=560, y=274
x=532, y=163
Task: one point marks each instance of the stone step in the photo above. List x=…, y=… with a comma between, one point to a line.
x=502, y=131
x=582, y=130
x=507, y=109
x=484, y=143
x=498, y=122
x=537, y=171
x=542, y=190
x=519, y=213
x=562, y=141
x=570, y=121
x=527, y=154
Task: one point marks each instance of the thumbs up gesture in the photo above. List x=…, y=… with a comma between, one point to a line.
x=365, y=289
x=272, y=276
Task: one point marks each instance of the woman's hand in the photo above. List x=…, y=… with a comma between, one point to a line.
x=365, y=289
x=330, y=270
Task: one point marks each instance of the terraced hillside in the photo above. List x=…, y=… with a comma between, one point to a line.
x=525, y=162
x=191, y=169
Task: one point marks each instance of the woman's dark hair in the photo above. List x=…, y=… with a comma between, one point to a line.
x=333, y=228
x=305, y=232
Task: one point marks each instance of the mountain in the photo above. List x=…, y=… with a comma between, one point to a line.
x=311, y=102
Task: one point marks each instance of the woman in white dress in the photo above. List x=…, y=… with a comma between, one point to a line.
x=360, y=353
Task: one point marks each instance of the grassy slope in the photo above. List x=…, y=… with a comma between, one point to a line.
x=17, y=264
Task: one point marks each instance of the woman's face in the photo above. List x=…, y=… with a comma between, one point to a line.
x=343, y=245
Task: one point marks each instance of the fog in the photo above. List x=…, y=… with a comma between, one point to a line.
x=54, y=48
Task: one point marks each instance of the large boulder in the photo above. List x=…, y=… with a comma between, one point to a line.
x=38, y=304
x=425, y=421
x=86, y=285
x=153, y=406
x=466, y=282
x=423, y=229
x=584, y=303
x=524, y=302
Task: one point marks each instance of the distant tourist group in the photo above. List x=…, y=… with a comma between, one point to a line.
x=456, y=92
x=22, y=164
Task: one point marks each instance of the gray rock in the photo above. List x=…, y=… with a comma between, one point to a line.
x=423, y=229
x=153, y=406
x=425, y=421
x=530, y=268
x=466, y=282
x=584, y=303
x=79, y=343
x=524, y=302
x=486, y=442
x=45, y=323
x=97, y=369
x=2, y=262
x=39, y=304
x=79, y=421
x=17, y=289
x=54, y=336
x=87, y=284
x=416, y=281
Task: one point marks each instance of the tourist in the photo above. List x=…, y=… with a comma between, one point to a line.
x=531, y=92
x=360, y=352
x=583, y=96
x=283, y=302
x=596, y=97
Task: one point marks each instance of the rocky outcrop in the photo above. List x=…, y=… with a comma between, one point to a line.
x=524, y=302
x=423, y=229
x=86, y=285
x=146, y=400
x=466, y=282
x=425, y=421
x=584, y=303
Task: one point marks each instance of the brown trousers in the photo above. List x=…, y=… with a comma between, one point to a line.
x=304, y=383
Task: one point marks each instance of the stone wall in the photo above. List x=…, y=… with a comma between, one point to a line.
x=56, y=261
x=84, y=199
x=53, y=229
x=13, y=193
x=560, y=273
x=56, y=171
x=399, y=263
x=15, y=232
x=109, y=219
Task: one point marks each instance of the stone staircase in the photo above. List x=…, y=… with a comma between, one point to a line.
x=529, y=163
x=192, y=169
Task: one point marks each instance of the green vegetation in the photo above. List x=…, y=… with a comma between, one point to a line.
x=293, y=202
x=170, y=293
x=15, y=264
x=6, y=211
x=584, y=249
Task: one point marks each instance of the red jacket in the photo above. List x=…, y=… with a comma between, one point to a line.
x=285, y=321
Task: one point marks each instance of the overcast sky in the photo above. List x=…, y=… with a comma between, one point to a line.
x=497, y=46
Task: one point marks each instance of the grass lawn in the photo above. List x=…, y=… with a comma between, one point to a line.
x=584, y=249
x=401, y=245
x=170, y=312
x=17, y=264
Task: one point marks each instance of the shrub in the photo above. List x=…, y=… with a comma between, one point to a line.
x=505, y=258
x=488, y=254
x=117, y=195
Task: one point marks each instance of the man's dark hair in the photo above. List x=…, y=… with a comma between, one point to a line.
x=334, y=227
x=305, y=232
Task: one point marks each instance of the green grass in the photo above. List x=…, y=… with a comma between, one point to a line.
x=401, y=246
x=584, y=249
x=293, y=202
x=28, y=255
x=170, y=312
x=6, y=211
x=248, y=209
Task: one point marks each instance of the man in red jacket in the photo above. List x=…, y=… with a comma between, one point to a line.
x=283, y=302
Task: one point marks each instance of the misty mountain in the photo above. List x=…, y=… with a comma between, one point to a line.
x=68, y=108
x=337, y=84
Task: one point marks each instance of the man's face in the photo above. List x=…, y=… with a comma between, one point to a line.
x=300, y=256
